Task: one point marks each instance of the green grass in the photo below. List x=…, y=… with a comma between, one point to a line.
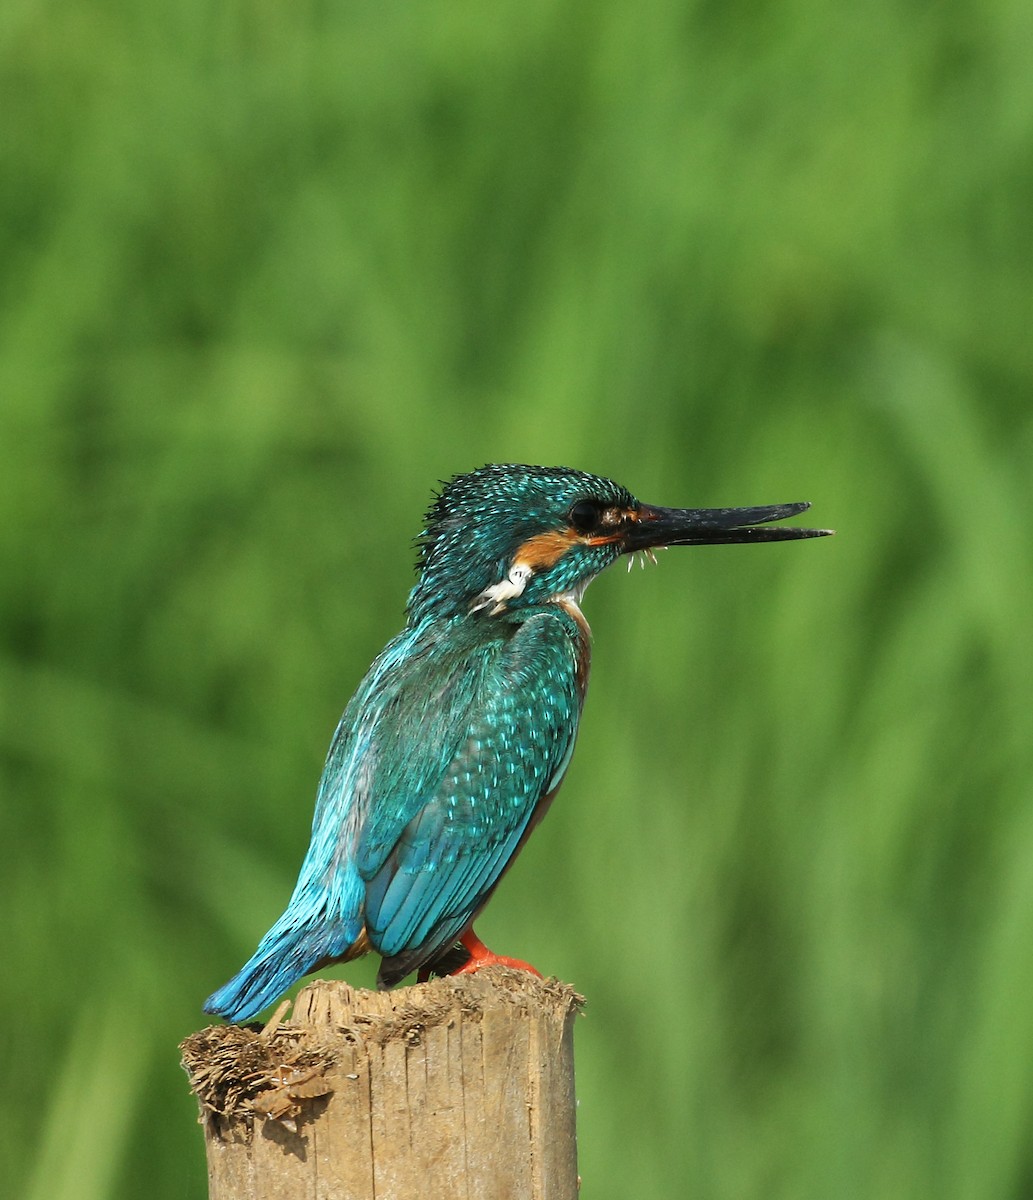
x=271, y=271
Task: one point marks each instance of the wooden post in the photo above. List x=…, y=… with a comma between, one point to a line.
x=461, y=1087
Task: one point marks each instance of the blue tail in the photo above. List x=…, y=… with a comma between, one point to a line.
x=324, y=918
x=286, y=953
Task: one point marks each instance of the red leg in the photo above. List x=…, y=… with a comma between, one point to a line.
x=481, y=956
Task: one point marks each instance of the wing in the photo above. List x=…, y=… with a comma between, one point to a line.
x=431, y=857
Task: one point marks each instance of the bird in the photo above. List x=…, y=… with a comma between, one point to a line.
x=458, y=737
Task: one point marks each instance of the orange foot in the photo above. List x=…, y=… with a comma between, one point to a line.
x=481, y=956
x=477, y=955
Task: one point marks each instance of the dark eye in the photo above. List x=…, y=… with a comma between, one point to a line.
x=584, y=516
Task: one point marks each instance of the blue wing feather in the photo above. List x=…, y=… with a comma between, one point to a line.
x=428, y=871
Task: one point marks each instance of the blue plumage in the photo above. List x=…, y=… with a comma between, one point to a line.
x=455, y=741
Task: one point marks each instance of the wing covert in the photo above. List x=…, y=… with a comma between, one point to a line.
x=430, y=861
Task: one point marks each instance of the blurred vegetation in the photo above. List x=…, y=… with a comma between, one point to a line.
x=269, y=272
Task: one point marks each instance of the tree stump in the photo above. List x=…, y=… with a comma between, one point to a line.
x=461, y=1087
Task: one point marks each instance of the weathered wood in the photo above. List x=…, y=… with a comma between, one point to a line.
x=461, y=1087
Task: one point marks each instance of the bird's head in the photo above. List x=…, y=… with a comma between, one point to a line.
x=507, y=536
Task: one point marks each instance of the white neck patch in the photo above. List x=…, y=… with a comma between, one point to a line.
x=505, y=589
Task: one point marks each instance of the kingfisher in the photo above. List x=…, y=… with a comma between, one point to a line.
x=456, y=741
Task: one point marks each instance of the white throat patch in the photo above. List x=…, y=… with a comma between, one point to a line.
x=505, y=589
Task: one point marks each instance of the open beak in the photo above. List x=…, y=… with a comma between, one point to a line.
x=655, y=527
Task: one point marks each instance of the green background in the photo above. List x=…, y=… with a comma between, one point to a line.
x=269, y=271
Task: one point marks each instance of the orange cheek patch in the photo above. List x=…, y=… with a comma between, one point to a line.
x=545, y=549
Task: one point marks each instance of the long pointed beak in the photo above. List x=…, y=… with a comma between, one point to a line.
x=657, y=527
